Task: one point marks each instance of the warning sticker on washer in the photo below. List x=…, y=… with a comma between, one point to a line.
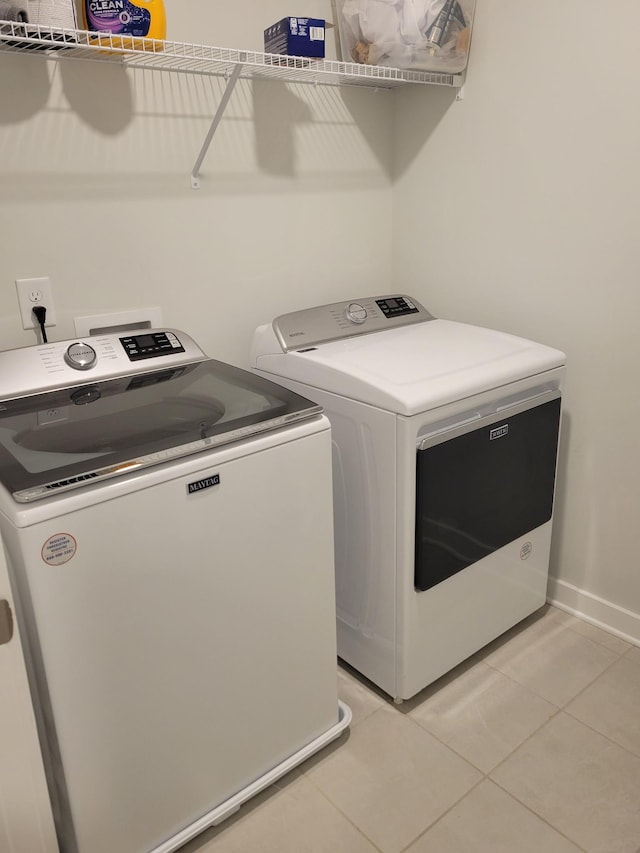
x=59, y=549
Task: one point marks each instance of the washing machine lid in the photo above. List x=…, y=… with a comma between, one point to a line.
x=404, y=367
x=80, y=434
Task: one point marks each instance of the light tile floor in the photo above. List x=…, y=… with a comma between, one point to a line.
x=531, y=746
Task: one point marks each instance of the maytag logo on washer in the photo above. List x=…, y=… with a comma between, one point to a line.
x=205, y=483
x=499, y=432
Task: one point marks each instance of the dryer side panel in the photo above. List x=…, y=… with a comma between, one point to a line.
x=364, y=489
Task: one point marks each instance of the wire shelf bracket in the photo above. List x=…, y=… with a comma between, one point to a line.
x=222, y=106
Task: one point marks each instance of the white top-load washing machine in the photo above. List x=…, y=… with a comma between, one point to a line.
x=167, y=520
x=445, y=440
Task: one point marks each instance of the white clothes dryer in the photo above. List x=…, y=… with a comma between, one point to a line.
x=445, y=440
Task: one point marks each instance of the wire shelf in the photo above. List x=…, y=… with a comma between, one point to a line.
x=182, y=57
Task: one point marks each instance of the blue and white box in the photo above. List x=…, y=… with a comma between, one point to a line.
x=296, y=37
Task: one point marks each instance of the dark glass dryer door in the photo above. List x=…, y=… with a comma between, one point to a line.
x=63, y=439
x=483, y=482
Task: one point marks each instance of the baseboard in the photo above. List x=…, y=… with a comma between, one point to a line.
x=611, y=617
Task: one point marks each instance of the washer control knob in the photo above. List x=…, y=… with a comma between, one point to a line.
x=80, y=356
x=356, y=313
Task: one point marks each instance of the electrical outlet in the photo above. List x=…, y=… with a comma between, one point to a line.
x=32, y=292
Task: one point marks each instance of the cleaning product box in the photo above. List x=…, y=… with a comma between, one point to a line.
x=296, y=37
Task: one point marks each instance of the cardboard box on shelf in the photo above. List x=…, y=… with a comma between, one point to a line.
x=296, y=37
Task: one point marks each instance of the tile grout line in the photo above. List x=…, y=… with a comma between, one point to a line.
x=516, y=798
x=558, y=709
x=486, y=776
x=558, y=712
x=621, y=654
x=333, y=805
x=602, y=734
x=581, y=690
x=540, y=817
x=444, y=814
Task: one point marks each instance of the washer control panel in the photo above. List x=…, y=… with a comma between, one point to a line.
x=302, y=330
x=151, y=345
x=66, y=364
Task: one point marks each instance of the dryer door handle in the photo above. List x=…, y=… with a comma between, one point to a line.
x=6, y=622
x=424, y=440
x=496, y=411
x=544, y=392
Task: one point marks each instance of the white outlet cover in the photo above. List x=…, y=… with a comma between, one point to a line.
x=24, y=287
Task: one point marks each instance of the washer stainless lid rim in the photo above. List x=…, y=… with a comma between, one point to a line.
x=73, y=435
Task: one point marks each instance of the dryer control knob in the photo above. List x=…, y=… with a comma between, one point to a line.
x=80, y=356
x=356, y=313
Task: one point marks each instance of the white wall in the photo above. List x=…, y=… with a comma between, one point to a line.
x=294, y=206
x=517, y=208
x=514, y=208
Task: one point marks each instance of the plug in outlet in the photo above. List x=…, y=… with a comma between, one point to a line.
x=32, y=292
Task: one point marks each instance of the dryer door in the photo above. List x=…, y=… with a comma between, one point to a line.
x=483, y=482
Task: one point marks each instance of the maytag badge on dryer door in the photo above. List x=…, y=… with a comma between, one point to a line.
x=499, y=432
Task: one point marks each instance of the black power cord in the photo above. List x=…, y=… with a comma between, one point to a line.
x=41, y=313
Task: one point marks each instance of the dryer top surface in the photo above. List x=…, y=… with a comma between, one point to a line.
x=412, y=368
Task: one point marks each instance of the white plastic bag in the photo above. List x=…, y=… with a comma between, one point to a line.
x=406, y=33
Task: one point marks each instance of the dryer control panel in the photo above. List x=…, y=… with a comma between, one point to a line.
x=396, y=306
x=304, y=329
